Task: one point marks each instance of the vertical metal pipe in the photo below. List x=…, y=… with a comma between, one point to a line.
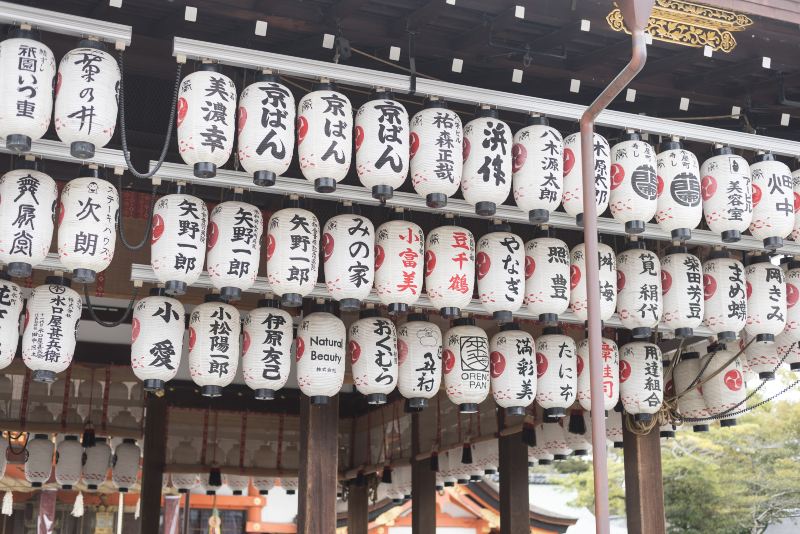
x=186, y=509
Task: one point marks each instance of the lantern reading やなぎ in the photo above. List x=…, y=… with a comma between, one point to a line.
x=234, y=246
x=486, y=174
x=465, y=363
x=292, y=273
x=213, y=345
x=500, y=263
x=727, y=193
x=578, y=303
x=69, y=455
x=372, y=347
x=436, y=153
x=399, y=264
x=725, y=391
x=639, y=298
x=680, y=205
x=773, y=201
x=39, y=460
x=682, y=290
x=512, y=367
x=157, y=339
x=572, y=199
x=348, y=248
x=725, y=310
x=125, y=465
x=96, y=462
x=640, y=379
x=634, y=185
x=449, y=268
x=10, y=308
x=686, y=375
x=610, y=356
x=419, y=357
x=320, y=354
x=538, y=170
x=766, y=299
x=547, y=277
x=267, y=349
x=556, y=372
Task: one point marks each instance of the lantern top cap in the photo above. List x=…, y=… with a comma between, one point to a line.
x=793, y=264
x=58, y=281
x=4, y=275
x=537, y=120
x=719, y=254
x=541, y=231
x=487, y=112
x=368, y=313
x=499, y=226
x=267, y=76
x=381, y=93
x=435, y=102
x=551, y=330
x=676, y=249
x=634, y=244
x=417, y=317
x=509, y=326
x=323, y=85
x=464, y=321
x=269, y=303
x=764, y=156
x=23, y=32
x=693, y=355
x=720, y=150
x=157, y=292
x=759, y=258
x=631, y=135
x=89, y=171
x=213, y=297
x=92, y=43
x=672, y=144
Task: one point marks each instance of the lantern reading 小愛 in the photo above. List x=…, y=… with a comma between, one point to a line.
x=348, y=257
x=556, y=372
x=292, y=273
x=399, y=264
x=449, y=268
x=11, y=302
x=727, y=192
x=419, y=356
x=633, y=198
x=512, y=365
x=682, y=290
x=125, y=465
x=320, y=354
x=572, y=198
x=213, y=345
x=372, y=347
x=500, y=266
x=547, y=276
x=773, y=201
x=679, y=204
x=725, y=310
x=486, y=174
x=578, y=302
x=267, y=349
x=766, y=299
x=640, y=379
x=537, y=164
x=157, y=339
x=465, y=363
x=234, y=247
x=610, y=356
x=639, y=298
x=436, y=146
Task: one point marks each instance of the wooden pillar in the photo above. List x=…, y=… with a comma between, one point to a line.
x=423, y=486
x=514, y=503
x=644, y=490
x=153, y=460
x=358, y=509
x=319, y=426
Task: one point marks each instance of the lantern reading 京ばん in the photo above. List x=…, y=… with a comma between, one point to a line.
x=125, y=465
x=292, y=273
x=436, y=148
x=537, y=158
x=686, y=375
x=10, y=308
x=399, y=264
x=634, y=186
x=486, y=175
x=640, y=379
x=680, y=206
x=419, y=356
x=267, y=349
x=465, y=363
x=556, y=372
x=449, y=268
x=348, y=249
x=157, y=339
x=547, y=276
x=265, y=125
x=578, y=303
x=572, y=199
x=372, y=347
x=682, y=289
x=773, y=201
x=213, y=345
x=96, y=462
x=69, y=455
x=500, y=264
x=639, y=303
x=513, y=369
x=766, y=299
x=725, y=391
x=727, y=193
x=39, y=460
x=234, y=246
x=319, y=353
x=725, y=310
x=610, y=355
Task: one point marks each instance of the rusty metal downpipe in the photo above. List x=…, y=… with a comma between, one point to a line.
x=635, y=13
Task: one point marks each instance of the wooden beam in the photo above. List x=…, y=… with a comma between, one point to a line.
x=423, y=486
x=358, y=509
x=153, y=460
x=644, y=490
x=318, y=466
x=514, y=500
x=718, y=74
x=606, y=53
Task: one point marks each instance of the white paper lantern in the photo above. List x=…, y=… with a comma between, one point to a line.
x=773, y=201
x=96, y=462
x=725, y=310
x=641, y=379
x=436, y=146
x=292, y=273
x=488, y=456
x=178, y=241
x=234, y=247
x=324, y=137
x=513, y=369
x=28, y=200
x=795, y=236
x=610, y=355
x=69, y=455
x=572, y=199
x=579, y=443
x=547, y=277
x=687, y=373
x=157, y=339
x=3, y=450
x=725, y=392
x=448, y=473
x=10, y=309
x=555, y=440
x=399, y=264
x=682, y=290
x=449, y=268
x=184, y=452
x=213, y=345
x=381, y=139
x=763, y=359
x=348, y=248
x=727, y=193
x=578, y=303
x=206, y=119
x=465, y=362
x=125, y=465
x=87, y=92
x=639, y=298
x=264, y=457
x=265, y=126
x=766, y=299
x=238, y=484
x=320, y=354
x=50, y=328
x=39, y=463
x=634, y=184
x=500, y=266
x=486, y=176
x=556, y=372
x=614, y=430
x=680, y=205
x=267, y=349
x=419, y=356
x=792, y=330
x=540, y=452
x=372, y=347
x=538, y=169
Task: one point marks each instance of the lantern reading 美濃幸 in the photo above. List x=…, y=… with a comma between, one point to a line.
x=372, y=347
x=381, y=139
x=610, y=356
x=639, y=298
x=69, y=455
x=399, y=264
x=436, y=147
x=449, y=268
x=320, y=354
x=234, y=247
x=213, y=345
x=500, y=266
x=348, y=258
x=766, y=299
x=292, y=273
x=547, y=276
x=556, y=372
x=537, y=164
x=486, y=173
x=465, y=363
x=125, y=465
x=640, y=379
x=578, y=302
x=682, y=290
x=725, y=391
x=773, y=201
x=419, y=357
x=725, y=310
x=267, y=349
x=512, y=367
x=686, y=375
x=679, y=206
x=39, y=460
x=634, y=185
x=572, y=198
x=157, y=339
x=10, y=309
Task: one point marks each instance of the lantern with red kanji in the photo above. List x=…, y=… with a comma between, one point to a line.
x=11, y=302
x=634, y=185
x=348, y=257
x=214, y=329
x=679, y=204
x=556, y=372
x=500, y=264
x=726, y=390
x=512, y=365
x=465, y=363
x=436, y=148
x=157, y=339
x=234, y=246
x=399, y=264
x=292, y=272
x=640, y=379
x=682, y=289
x=547, y=276
x=578, y=303
x=725, y=310
x=686, y=375
x=537, y=163
x=639, y=298
x=372, y=347
x=320, y=353
x=610, y=356
x=486, y=176
x=449, y=268
x=727, y=192
x=419, y=356
x=267, y=349
x=766, y=299
x=572, y=199
x=773, y=201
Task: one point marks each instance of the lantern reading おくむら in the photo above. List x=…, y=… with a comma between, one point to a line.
x=96, y=461
x=234, y=246
x=292, y=273
x=556, y=372
x=206, y=119
x=639, y=299
x=538, y=170
x=465, y=363
x=547, y=276
x=578, y=303
x=39, y=460
x=69, y=454
x=766, y=299
x=572, y=199
x=682, y=290
x=486, y=174
x=213, y=345
x=500, y=265
x=436, y=147
x=634, y=185
x=267, y=349
x=640, y=379
x=680, y=205
x=773, y=201
x=727, y=193
x=610, y=356
x=725, y=310
x=686, y=375
x=372, y=347
x=348, y=257
x=157, y=339
x=449, y=268
x=512, y=367
x=725, y=391
x=399, y=264
x=419, y=356
x=10, y=308
x=265, y=126
x=125, y=465
x=320, y=354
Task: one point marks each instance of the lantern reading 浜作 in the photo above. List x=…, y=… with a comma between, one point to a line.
x=500, y=266
x=766, y=299
x=465, y=363
x=267, y=349
x=537, y=165
x=436, y=146
x=156, y=339
x=727, y=192
x=682, y=290
x=679, y=206
x=449, y=268
x=639, y=298
x=724, y=291
x=486, y=174
x=773, y=201
x=372, y=347
x=292, y=272
x=578, y=303
x=419, y=357
x=572, y=198
x=320, y=353
x=547, y=276
x=348, y=257
x=556, y=372
x=399, y=264
x=213, y=345
x=234, y=247
x=634, y=186
x=512, y=365
x=381, y=139
x=640, y=379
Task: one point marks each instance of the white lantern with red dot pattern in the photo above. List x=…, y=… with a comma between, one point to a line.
x=264, y=457
x=39, y=460
x=725, y=391
x=69, y=455
x=556, y=372
x=486, y=176
x=792, y=330
x=543, y=454
x=436, y=146
x=292, y=273
x=538, y=169
x=572, y=198
x=773, y=201
x=633, y=198
x=500, y=265
x=686, y=375
x=10, y=309
x=727, y=191
x=125, y=465
x=725, y=310
x=487, y=454
x=399, y=264
x=639, y=298
x=320, y=354
x=580, y=443
x=679, y=204
x=547, y=277
x=237, y=483
x=348, y=248
x=610, y=356
x=578, y=303
x=381, y=139
x=449, y=268
x=372, y=347
x=513, y=369
x=555, y=441
x=789, y=350
x=96, y=461
x=682, y=289
x=766, y=299
x=795, y=235
x=763, y=358
x=465, y=362
x=614, y=431
x=157, y=339
x=267, y=349
x=234, y=247
x=419, y=355
x=214, y=329
x=641, y=379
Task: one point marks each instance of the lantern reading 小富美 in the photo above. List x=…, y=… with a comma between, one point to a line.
x=679, y=206
x=572, y=198
x=682, y=290
x=465, y=364
x=320, y=353
x=157, y=339
x=399, y=263
x=450, y=268
x=773, y=201
x=267, y=349
x=214, y=329
x=486, y=174
x=766, y=299
x=292, y=272
x=500, y=266
x=634, y=185
x=556, y=372
x=419, y=357
x=233, y=247
x=372, y=347
x=725, y=310
x=348, y=256
x=436, y=146
x=537, y=164
x=512, y=365
x=578, y=302
x=640, y=379
x=547, y=276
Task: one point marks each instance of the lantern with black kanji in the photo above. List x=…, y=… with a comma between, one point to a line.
x=125, y=465
x=69, y=455
x=766, y=299
x=682, y=290
x=640, y=379
x=213, y=345
x=639, y=299
x=87, y=225
x=773, y=201
x=157, y=339
x=762, y=358
x=486, y=176
x=555, y=442
x=725, y=310
x=556, y=372
x=206, y=119
x=512, y=365
x=500, y=265
x=324, y=136
x=178, y=241
x=348, y=257
x=547, y=276
x=634, y=186
x=537, y=164
x=679, y=205
x=725, y=391
x=87, y=88
x=436, y=147
x=265, y=126
x=39, y=460
x=419, y=357
x=399, y=263
x=572, y=199
x=292, y=272
x=795, y=235
x=578, y=303
x=792, y=330
x=267, y=349
x=686, y=375
x=449, y=268
x=10, y=309
x=372, y=349
x=96, y=461
x=50, y=328
x=320, y=354
x=234, y=247
x=610, y=355
x=465, y=362
x=381, y=139
x=727, y=192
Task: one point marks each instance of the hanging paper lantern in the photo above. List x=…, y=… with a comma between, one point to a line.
x=292, y=273
x=725, y=310
x=726, y=391
x=234, y=247
x=96, y=461
x=789, y=351
x=157, y=339
x=267, y=349
x=556, y=372
x=264, y=457
x=125, y=465
x=324, y=136
x=727, y=193
x=265, y=125
x=640, y=379
x=578, y=303
x=610, y=355
x=372, y=347
x=39, y=462
x=634, y=185
x=436, y=150
x=762, y=358
x=792, y=330
x=69, y=455
x=419, y=356
x=10, y=309
x=320, y=354
x=449, y=269
x=680, y=206
x=773, y=201
x=540, y=451
x=237, y=483
x=579, y=439
x=639, y=298
x=3, y=451
x=538, y=170
x=795, y=235
x=465, y=362
x=50, y=328
x=381, y=138
x=178, y=241
x=206, y=119
x=399, y=262
x=614, y=432
x=686, y=374
x=184, y=452
x=547, y=277
x=766, y=299
x=501, y=267
x=572, y=199
x=513, y=369
x=555, y=441
x=87, y=88
x=448, y=474
x=348, y=247
x=213, y=345
x=682, y=290
x=486, y=176
x=487, y=454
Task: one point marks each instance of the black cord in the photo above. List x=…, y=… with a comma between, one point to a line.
x=110, y=324
x=121, y=223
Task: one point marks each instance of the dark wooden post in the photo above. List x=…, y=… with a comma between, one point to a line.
x=644, y=490
x=423, y=486
x=318, y=475
x=358, y=509
x=514, y=503
x=153, y=460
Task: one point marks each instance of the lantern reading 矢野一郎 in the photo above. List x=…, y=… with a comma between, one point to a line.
x=486, y=174
x=213, y=345
x=537, y=164
x=578, y=303
x=640, y=379
x=679, y=206
x=234, y=247
x=465, y=363
x=634, y=186
x=773, y=201
x=419, y=358
x=766, y=299
x=512, y=366
x=725, y=310
x=449, y=269
x=556, y=372
x=381, y=139
x=348, y=257
x=436, y=146
x=292, y=272
x=682, y=290
x=727, y=193
x=372, y=347
x=572, y=198
x=500, y=266
x=267, y=349
x=547, y=276
x=610, y=356
x=319, y=354
x=399, y=264
x=639, y=298
x=157, y=339
x=11, y=302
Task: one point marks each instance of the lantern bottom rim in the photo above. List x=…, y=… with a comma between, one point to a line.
x=728, y=335
x=766, y=375
x=264, y=178
x=503, y=316
x=205, y=169
x=211, y=492
x=681, y=234
x=84, y=276
x=700, y=428
x=230, y=293
x=765, y=338
x=731, y=236
x=122, y=490
x=18, y=269
x=727, y=422
x=531, y=464
x=417, y=403
x=684, y=332
x=559, y=457
x=382, y=192
x=183, y=490
x=436, y=200
x=94, y=486
x=319, y=400
x=579, y=220
x=462, y=481
x=36, y=484
x=666, y=434
x=485, y=208
x=468, y=407
x=66, y=486
x=618, y=445
x=475, y=478
x=548, y=317
x=81, y=149
x=349, y=305
x=544, y=461
x=398, y=308
x=376, y=398
x=538, y=216
x=324, y=185
x=641, y=332
x=773, y=242
x=291, y=492
x=634, y=227
x=515, y=410
x=153, y=384
x=580, y=452
x=795, y=366
x=175, y=287
x=450, y=312
x=642, y=417
x=264, y=394
x=18, y=143
x=263, y=492
x=553, y=414
x=44, y=375
x=211, y=391
x=292, y=300
x=237, y=492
